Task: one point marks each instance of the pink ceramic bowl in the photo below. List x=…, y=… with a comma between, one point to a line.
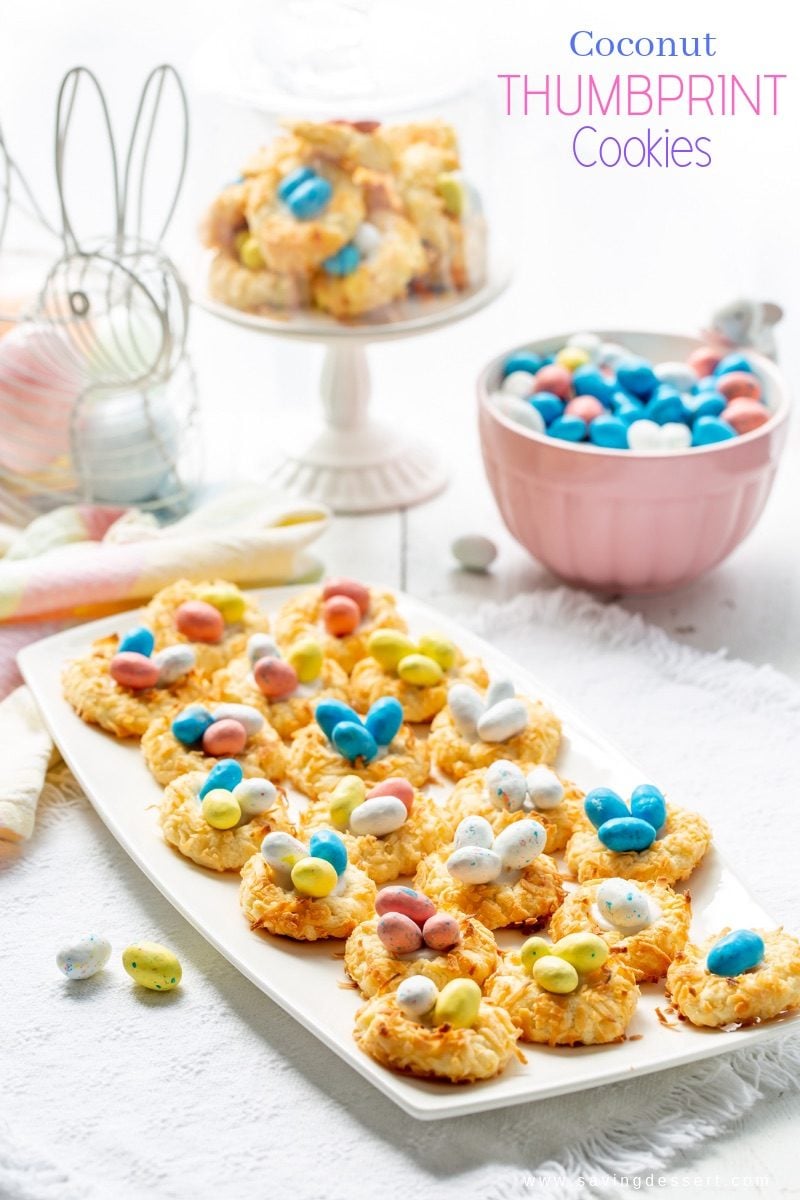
x=630, y=522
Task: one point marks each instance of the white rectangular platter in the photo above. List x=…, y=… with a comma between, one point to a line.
x=305, y=979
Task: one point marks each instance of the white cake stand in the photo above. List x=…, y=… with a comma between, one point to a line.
x=350, y=461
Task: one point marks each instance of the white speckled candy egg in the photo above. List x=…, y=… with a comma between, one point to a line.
x=83, y=958
x=255, y=796
x=474, y=831
x=173, y=663
x=545, y=789
x=466, y=708
x=676, y=374
x=503, y=721
x=378, y=816
x=416, y=996
x=506, y=785
x=474, y=551
x=623, y=905
x=500, y=689
x=519, y=844
x=367, y=238
x=245, y=714
x=675, y=436
x=261, y=645
x=520, y=411
x=474, y=864
x=281, y=851
x=518, y=383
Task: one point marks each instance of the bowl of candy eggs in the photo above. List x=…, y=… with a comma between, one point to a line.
x=632, y=462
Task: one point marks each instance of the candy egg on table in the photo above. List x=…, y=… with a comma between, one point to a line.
x=474, y=551
x=152, y=966
x=84, y=957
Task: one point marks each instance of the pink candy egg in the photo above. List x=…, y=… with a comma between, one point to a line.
x=585, y=407
x=441, y=932
x=224, y=738
x=200, y=622
x=341, y=615
x=739, y=384
x=399, y=934
x=704, y=360
x=352, y=589
x=400, y=788
x=414, y=905
x=745, y=415
x=133, y=670
x=275, y=678
x=554, y=379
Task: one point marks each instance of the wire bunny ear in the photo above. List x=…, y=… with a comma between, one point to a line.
x=137, y=213
x=65, y=115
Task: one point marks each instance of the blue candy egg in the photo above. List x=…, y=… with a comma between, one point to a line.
x=344, y=261
x=329, y=713
x=626, y=407
x=384, y=719
x=140, y=640
x=354, y=741
x=547, y=405
x=621, y=834
x=548, y=360
x=293, y=180
x=610, y=432
x=602, y=804
x=665, y=406
x=708, y=383
x=523, y=360
x=733, y=362
x=225, y=774
x=707, y=403
x=568, y=429
x=190, y=724
x=735, y=953
x=590, y=381
x=307, y=199
x=648, y=804
x=328, y=845
x=636, y=376
x=708, y=430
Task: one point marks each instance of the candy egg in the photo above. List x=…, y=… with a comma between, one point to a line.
x=474, y=831
x=261, y=645
x=666, y=408
x=623, y=905
x=555, y=379
x=341, y=615
x=453, y=192
x=420, y=670
x=293, y=180
x=568, y=429
x=586, y=407
x=351, y=588
x=152, y=966
x=173, y=663
x=707, y=431
x=737, y=385
x=622, y=834
x=414, y=905
x=609, y=432
x=324, y=843
x=83, y=958
x=247, y=716
x=344, y=262
x=521, y=412
x=458, y=1004
x=474, y=864
x=737, y=952
x=675, y=436
x=329, y=713
x=281, y=851
x=522, y=360
x=250, y=255
x=611, y=354
x=132, y=670
x=648, y=804
x=705, y=404
x=644, y=436
x=227, y=773
x=545, y=789
x=400, y=788
x=555, y=974
x=221, y=809
x=305, y=656
x=307, y=199
x=466, y=709
x=379, y=816
x=474, y=552
x=399, y=934
x=440, y=649
x=314, y=877
x=275, y=678
x=734, y=362
x=518, y=383
x=506, y=785
x=416, y=996
x=354, y=741
x=548, y=406
x=388, y=647
x=745, y=415
x=200, y=622
x=367, y=238
x=588, y=342
x=503, y=721
x=531, y=950
x=704, y=360
x=601, y=804
x=347, y=795
x=255, y=796
x=441, y=932
x=590, y=381
x=519, y=844
x=139, y=639
x=224, y=738
x=500, y=689
x=227, y=599
x=679, y=375
x=572, y=357
x=384, y=720
x=585, y=951
x=636, y=376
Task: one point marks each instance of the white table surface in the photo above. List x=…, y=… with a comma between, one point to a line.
x=650, y=251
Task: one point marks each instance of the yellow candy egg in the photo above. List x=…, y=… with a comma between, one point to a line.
x=153, y=966
x=306, y=658
x=555, y=974
x=585, y=951
x=250, y=254
x=347, y=795
x=388, y=646
x=420, y=670
x=533, y=949
x=314, y=877
x=440, y=649
x=457, y=1004
x=221, y=809
x=227, y=600
x=572, y=357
